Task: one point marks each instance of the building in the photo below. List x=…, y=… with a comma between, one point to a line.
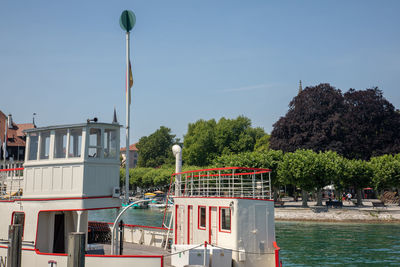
x=133, y=155
x=16, y=138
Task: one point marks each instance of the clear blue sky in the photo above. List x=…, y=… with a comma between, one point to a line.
x=65, y=60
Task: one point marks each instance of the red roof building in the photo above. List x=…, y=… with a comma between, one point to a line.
x=15, y=137
x=133, y=155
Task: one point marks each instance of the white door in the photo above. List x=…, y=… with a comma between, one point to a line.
x=213, y=225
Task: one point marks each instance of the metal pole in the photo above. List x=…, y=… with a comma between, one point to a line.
x=14, y=245
x=76, y=249
x=127, y=121
x=205, y=254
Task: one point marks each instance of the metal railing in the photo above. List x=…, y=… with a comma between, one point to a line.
x=11, y=180
x=225, y=182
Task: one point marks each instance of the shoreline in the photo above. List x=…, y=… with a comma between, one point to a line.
x=292, y=211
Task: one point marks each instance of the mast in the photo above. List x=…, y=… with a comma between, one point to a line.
x=127, y=21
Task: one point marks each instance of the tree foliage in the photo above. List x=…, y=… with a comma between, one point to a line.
x=155, y=149
x=358, y=124
x=312, y=122
x=386, y=171
x=371, y=124
x=205, y=140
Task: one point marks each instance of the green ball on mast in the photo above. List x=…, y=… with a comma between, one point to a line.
x=127, y=20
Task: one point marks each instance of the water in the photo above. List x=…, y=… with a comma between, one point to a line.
x=309, y=244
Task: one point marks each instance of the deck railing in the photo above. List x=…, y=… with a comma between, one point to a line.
x=225, y=182
x=11, y=180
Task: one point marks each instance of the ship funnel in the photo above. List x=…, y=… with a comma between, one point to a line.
x=177, y=151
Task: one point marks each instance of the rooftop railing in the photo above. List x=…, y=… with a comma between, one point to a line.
x=224, y=182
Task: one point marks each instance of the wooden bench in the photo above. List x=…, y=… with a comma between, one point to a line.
x=378, y=205
x=334, y=204
x=279, y=203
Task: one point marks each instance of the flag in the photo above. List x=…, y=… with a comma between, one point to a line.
x=130, y=84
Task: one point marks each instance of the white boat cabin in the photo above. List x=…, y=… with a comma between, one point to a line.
x=229, y=208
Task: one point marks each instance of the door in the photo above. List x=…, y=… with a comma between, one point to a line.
x=212, y=226
x=59, y=234
x=190, y=225
x=179, y=223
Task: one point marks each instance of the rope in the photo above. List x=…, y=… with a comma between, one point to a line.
x=183, y=251
x=233, y=250
x=246, y=252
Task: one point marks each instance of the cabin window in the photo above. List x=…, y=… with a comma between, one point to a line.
x=94, y=143
x=75, y=143
x=33, y=146
x=110, y=143
x=44, y=145
x=202, y=217
x=60, y=144
x=225, y=219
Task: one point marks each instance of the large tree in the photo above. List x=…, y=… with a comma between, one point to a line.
x=312, y=122
x=358, y=124
x=155, y=149
x=371, y=125
x=205, y=140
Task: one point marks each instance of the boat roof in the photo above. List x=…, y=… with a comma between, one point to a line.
x=77, y=125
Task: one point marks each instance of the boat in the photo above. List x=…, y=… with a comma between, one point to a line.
x=220, y=217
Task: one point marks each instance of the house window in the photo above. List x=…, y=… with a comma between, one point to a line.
x=60, y=145
x=44, y=145
x=225, y=219
x=75, y=143
x=33, y=146
x=202, y=217
x=110, y=143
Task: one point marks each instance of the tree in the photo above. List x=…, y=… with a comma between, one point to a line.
x=155, y=149
x=386, y=171
x=199, y=143
x=371, y=125
x=206, y=140
x=357, y=173
x=312, y=122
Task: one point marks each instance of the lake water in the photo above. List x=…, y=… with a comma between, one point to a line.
x=309, y=244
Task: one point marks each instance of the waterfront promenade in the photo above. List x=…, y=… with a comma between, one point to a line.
x=292, y=211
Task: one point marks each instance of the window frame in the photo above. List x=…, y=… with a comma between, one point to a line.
x=220, y=220
x=199, y=218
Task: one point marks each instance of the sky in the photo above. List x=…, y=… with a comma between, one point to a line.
x=191, y=60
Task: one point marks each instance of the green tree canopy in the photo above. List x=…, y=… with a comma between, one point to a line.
x=386, y=171
x=205, y=140
x=155, y=149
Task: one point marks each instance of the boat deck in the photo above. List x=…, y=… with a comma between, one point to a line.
x=136, y=249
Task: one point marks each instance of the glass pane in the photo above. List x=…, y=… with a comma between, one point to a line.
x=110, y=143
x=94, y=137
x=225, y=219
x=94, y=152
x=75, y=143
x=202, y=217
x=33, y=146
x=60, y=144
x=45, y=145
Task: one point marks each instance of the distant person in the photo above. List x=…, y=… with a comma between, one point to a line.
x=344, y=197
x=349, y=196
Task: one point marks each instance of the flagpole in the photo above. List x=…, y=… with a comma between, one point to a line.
x=127, y=121
x=127, y=21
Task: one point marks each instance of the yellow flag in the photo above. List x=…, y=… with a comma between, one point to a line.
x=130, y=75
x=130, y=84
